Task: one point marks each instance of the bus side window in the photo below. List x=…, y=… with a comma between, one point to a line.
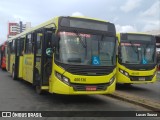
x=13, y=46
x=20, y=45
x=39, y=40
x=28, y=48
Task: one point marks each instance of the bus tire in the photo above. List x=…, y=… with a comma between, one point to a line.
x=13, y=73
x=3, y=69
x=39, y=90
x=127, y=84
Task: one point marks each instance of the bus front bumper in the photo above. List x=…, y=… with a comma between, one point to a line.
x=121, y=78
x=57, y=86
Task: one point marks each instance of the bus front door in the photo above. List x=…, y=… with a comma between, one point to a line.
x=42, y=62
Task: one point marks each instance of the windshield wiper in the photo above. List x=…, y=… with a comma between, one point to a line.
x=81, y=41
x=146, y=46
x=133, y=47
x=114, y=51
x=101, y=44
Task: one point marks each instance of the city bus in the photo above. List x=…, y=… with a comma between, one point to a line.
x=66, y=55
x=136, y=63
x=158, y=51
x=3, y=56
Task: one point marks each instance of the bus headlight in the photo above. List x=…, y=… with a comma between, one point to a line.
x=121, y=71
x=124, y=72
x=65, y=80
x=58, y=75
x=111, y=80
x=62, y=78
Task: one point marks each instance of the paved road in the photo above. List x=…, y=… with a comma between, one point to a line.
x=20, y=96
x=149, y=91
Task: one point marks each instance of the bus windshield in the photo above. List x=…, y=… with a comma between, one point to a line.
x=137, y=53
x=86, y=49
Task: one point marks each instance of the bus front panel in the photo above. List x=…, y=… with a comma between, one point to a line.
x=63, y=82
x=125, y=75
x=136, y=58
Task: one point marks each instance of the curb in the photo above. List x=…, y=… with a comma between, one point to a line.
x=147, y=103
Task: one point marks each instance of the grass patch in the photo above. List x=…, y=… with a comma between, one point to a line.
x=158, y=78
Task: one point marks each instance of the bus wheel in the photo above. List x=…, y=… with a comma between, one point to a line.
x=13, y=74
x=3, y=69
x=39, y=90
x=127, y=84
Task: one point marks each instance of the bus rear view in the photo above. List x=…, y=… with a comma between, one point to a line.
x=136, y=58
x=3, y=56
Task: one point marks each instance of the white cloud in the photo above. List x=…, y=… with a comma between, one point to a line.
x=152, y=25
x=110, y=10
x=130, y=5
x=153, y=10
x=125, y=28
x=115, y=19
x=18, y=18
x=151, y=17
x=77, y=14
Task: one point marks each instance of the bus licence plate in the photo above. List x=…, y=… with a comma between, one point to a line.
x=141, y=78
x=91, y=88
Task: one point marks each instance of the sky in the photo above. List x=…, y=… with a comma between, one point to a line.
x=127, y=15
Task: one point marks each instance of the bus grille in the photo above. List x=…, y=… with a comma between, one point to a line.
x=141, y=78
x=89, y=71
x=82, y=87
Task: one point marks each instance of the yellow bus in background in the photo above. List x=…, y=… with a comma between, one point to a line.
x=136, y=58
x=66, y=55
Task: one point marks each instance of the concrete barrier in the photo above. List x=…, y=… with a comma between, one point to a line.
x=147, y=103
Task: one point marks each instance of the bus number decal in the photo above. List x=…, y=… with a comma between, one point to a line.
x=80, y=79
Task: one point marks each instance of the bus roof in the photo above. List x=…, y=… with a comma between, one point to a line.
x=50, y=23
x=140, y=33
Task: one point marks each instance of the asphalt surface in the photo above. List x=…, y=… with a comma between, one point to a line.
x=17, y=95
x=148, y=91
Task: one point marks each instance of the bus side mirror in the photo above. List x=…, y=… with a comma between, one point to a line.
x=54, y=40
x=117, y=41
x=119, y=55
x=119, y=59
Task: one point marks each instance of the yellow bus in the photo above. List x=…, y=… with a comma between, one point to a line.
x=66, y=55
x=136, y=58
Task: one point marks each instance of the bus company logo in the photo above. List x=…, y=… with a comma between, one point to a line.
x=6, y=114
x=135, y=73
